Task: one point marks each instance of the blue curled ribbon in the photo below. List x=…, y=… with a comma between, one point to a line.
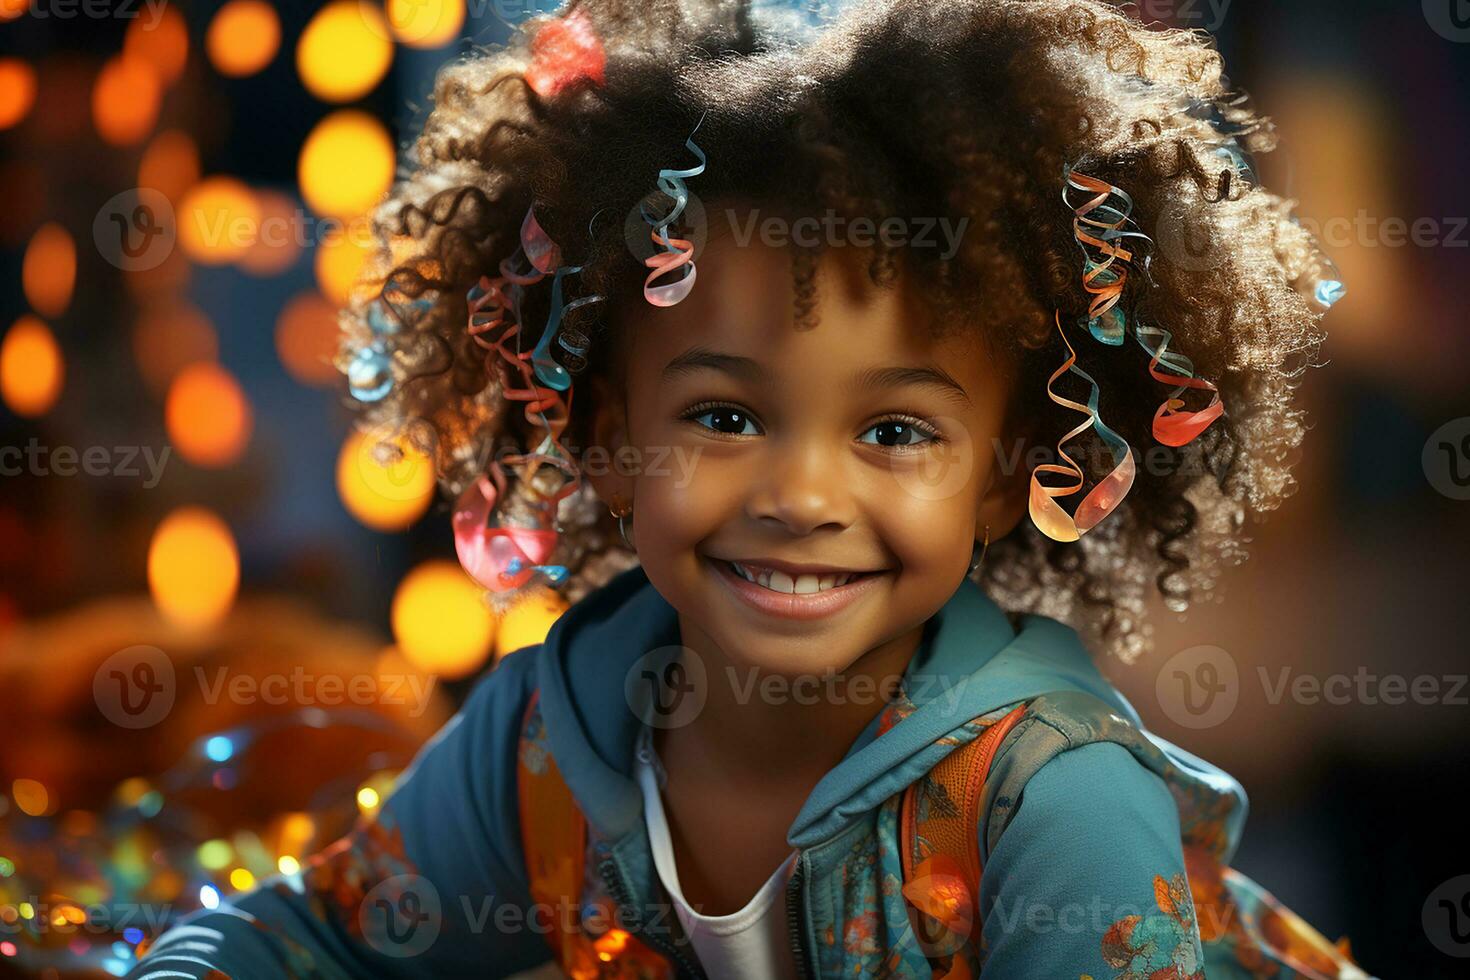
x=671, y=182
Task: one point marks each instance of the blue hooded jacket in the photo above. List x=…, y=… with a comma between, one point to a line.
x=437, y=884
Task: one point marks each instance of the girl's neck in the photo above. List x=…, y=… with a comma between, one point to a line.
x=754, y=723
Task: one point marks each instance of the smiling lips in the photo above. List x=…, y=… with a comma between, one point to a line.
x=794, y=591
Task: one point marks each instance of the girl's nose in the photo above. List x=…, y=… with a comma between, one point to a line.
x=802, y=484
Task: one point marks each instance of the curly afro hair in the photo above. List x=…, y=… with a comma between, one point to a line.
x=965, y=109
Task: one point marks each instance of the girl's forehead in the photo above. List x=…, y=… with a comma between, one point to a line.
x=743, y=303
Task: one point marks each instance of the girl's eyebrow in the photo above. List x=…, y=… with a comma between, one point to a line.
x=933, y=378
x=747, y=369
x=697, y=358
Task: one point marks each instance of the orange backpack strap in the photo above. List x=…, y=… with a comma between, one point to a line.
x=939, y=817
x=553, y=833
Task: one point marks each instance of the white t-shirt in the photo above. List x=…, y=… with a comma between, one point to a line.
x=751, y=944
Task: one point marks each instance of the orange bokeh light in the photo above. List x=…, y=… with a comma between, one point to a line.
x=169, y=337
x=306, y=339
x=340, y=260
x=170, y=165
x=49, y=271
x=161, y=42
x=346, y=164
x=219, y=221
x=207, y=415
x=243, y=37
x=193, y=567
x=31, y=367
x=10, y=9
x=17, y=91
x=345, y=51
x=125, y=101
x=279, y=243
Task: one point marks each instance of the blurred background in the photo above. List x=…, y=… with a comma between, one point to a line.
x=184, y=512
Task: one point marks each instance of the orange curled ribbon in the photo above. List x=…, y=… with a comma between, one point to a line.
x=1048, y=516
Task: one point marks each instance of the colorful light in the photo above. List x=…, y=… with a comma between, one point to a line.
x=170, y=165
x=340, y=260
x=207, y=415
x=193, y=571
x=209, y=897
x=306, y=339
x=288, y=865
x=279, y=242
x=528, y=621
x=168, y=337
x=125, y=101
x=219, y=221
x=344, y=51
x=31, y=368
x=243, y=38
x=161, y=42
x=346, y=164
x=425, y=23
x=31, y=797
x=17, y=91
x=383, y=497
x=49, y=271
x=440, y=620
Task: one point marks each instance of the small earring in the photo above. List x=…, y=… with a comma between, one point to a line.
x=621, y=512
x=975, y=563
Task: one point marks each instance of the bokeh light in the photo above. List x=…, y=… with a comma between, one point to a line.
x=193, y=567
x=306, y=339
x=125, y=101
x=160, y=41
x=49, y=271
x=440, y=620
x=170, y=165
x=528, y=621
x=207, y=415
x=17, y=91
x=346, y=164
x=425, y=23
x=243, y=37
x=344, y=52
x=169, y=336
x=385, y=498
x=219, y=221
x=31, y=367
x=10, y=9
x=279, y=241
x=31, y=796
x=340, y=259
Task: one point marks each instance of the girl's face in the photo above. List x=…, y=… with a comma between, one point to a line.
x=859, y=446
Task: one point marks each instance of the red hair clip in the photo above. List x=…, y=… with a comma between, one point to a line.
x=565, y=51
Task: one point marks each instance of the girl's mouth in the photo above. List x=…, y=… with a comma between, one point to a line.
x=776, y=593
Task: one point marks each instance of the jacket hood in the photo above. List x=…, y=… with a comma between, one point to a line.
x=970, y=661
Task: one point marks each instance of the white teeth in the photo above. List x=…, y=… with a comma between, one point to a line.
x=778, y=581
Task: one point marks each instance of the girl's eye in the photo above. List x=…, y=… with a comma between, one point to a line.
x=902, y=433
x=725, y=419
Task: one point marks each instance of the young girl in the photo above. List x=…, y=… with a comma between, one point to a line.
x=897, y=339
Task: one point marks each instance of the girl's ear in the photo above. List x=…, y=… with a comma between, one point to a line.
x=1004, y=503
x=609, y=435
